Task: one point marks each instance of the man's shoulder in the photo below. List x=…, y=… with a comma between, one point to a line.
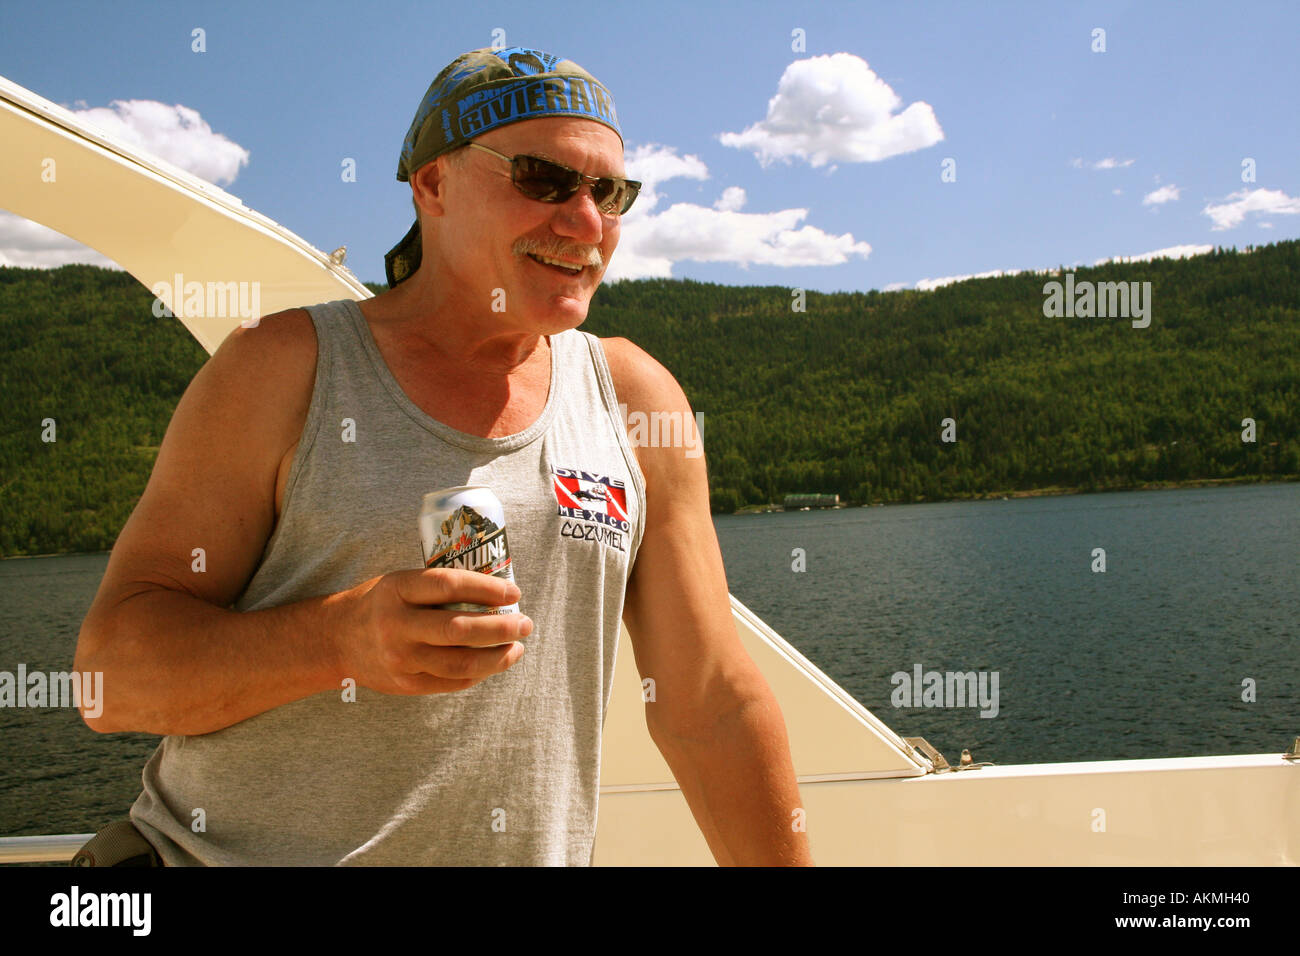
x=640, y=381
x=274, y=360
x=287, y=333
x=659, y=418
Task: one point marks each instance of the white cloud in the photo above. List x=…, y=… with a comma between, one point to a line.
x=652, y=164
x=895, y=286
x=1162, y=195
x=1232, y=213
x=176, y=133
x=1117, y=192
x=731, y=200
x=1111, y=163
x=926, y=285
x=1172, y=252
x=1077, y=163
x=652, y=241
x=30, y=245
x=835, y=108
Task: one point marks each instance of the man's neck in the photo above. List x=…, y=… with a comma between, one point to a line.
x=452, y=339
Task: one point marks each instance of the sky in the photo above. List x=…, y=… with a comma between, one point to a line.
x=823, y=146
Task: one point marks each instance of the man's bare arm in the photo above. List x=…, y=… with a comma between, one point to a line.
x=175, y=659
x=740, y=785
x=175, y=664
x=714, y=718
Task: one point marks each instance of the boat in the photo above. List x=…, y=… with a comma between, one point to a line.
x=870, y=796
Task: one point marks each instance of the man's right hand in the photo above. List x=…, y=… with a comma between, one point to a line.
x=397, y=641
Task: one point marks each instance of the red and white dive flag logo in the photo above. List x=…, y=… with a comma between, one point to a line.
x=588, y=497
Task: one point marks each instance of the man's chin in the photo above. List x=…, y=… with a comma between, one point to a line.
x=557, y=313
x=574, y=312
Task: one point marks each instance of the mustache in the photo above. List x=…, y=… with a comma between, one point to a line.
x=587, y=255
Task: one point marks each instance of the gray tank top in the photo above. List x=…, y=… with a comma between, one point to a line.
x=504, y=773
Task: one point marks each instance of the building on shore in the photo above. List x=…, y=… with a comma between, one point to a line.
x=795, y=502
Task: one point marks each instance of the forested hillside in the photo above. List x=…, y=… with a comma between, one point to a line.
x=848, y=396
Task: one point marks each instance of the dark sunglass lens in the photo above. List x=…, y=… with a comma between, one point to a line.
x=614, y=196
x=539, y=179
x=628, y=195
x=607, y=196
x=630, y=192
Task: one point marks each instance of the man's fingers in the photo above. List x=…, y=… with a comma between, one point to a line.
x=475, y=628
x=459, y=664
x=433, y=586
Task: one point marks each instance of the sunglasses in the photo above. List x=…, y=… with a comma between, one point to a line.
x=546, y=181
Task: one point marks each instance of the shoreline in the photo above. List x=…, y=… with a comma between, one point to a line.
x=50, y=554
x=1048, y=492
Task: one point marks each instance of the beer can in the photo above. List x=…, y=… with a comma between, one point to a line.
x=465, y=527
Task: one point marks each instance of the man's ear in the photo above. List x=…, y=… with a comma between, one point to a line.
x=427, y=188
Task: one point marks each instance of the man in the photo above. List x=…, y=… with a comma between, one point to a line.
x=264, y=606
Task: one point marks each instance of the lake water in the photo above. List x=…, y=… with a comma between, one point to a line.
x=1147, y=659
